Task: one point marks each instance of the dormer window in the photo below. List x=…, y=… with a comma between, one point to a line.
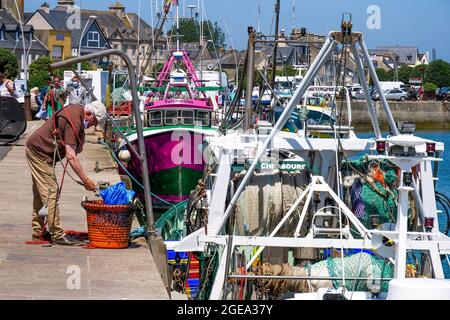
x=2, y=34
x=93, y=39
x=31, y=36
x=17, y=35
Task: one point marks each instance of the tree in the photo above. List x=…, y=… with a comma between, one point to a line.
x=38, y=79
x=214, y=32
x=429, y=87
x=419, y=71
x=390, y=75
x=190, y=32
x=430, y=90
x=404, y=73
x=85, y=65
x=157, y=69
x=382, y=74
x=438, y=72
x=288, y=70
x=8, y=64
x=42, y=65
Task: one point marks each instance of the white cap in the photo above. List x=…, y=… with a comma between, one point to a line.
x=99, y=110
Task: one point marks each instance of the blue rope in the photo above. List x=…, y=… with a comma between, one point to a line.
x=138, y=232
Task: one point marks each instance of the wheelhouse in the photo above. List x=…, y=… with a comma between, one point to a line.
x=179, y=117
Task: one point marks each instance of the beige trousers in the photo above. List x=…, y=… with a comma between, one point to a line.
x=45, y=192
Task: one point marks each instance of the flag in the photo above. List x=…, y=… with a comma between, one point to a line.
x=175, y=2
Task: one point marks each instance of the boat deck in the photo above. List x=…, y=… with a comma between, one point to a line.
x=37, y=272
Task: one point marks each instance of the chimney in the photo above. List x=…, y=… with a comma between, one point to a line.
x=66, y=3
x=46, y=7
x=118, y=9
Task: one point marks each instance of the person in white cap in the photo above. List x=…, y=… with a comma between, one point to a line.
x=62, y=136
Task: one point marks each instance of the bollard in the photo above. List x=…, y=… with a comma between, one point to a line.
x=28, y=113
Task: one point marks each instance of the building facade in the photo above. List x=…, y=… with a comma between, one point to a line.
x=95, y=30
x=26, y=49
x=407, y=55
x=63, y=29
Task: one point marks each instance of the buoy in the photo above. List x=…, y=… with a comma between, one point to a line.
x=124, y=155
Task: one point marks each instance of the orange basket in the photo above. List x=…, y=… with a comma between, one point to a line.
x=108, y=225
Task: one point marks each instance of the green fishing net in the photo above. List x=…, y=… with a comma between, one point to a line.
x=360, y=265
x=370, y=197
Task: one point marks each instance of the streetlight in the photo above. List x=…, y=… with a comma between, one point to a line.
x=17, y=42
x=26, y=58
x=81, y=39
x=23, y=37
x=236, y=78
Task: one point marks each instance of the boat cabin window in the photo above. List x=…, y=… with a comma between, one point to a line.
x=179, y=117
x=313, y=101
x=155, y=118
x=202, y=118
x=187, y=117
x=171, y=117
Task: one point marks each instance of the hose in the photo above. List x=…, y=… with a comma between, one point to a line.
x=444, y=201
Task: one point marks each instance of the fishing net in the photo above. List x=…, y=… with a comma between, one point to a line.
x=372, y=189
x=118, y=96
x=360, y=265
x=262, y=205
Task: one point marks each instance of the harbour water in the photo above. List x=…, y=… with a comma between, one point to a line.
x=443, y=185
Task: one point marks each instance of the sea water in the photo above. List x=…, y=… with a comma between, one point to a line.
x=443, y=184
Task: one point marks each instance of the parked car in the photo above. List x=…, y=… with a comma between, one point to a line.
x=443, y=93
x=359, y=95
x=352, y=90
x=396, y=94
x=374, y=94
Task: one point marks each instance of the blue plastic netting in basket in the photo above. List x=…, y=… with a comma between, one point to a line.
x=117, y=194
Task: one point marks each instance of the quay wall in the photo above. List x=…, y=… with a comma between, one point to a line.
x=425, y=114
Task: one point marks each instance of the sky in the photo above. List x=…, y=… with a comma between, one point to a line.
x=424, y=24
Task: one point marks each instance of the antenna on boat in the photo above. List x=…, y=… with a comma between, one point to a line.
x=178, y=24
x=258, y=29
x=275, y=46
x=293, y=16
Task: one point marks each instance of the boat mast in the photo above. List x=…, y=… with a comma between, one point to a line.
x=258, y=29
x=275, y=47
x=178, y=26
x=293, y=16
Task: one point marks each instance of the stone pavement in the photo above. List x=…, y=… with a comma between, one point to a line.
x=58, y=272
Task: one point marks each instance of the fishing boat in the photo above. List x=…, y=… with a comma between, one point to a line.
x=287, y=215
x=317, y=110
x=178, y=116
x=177, y=119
